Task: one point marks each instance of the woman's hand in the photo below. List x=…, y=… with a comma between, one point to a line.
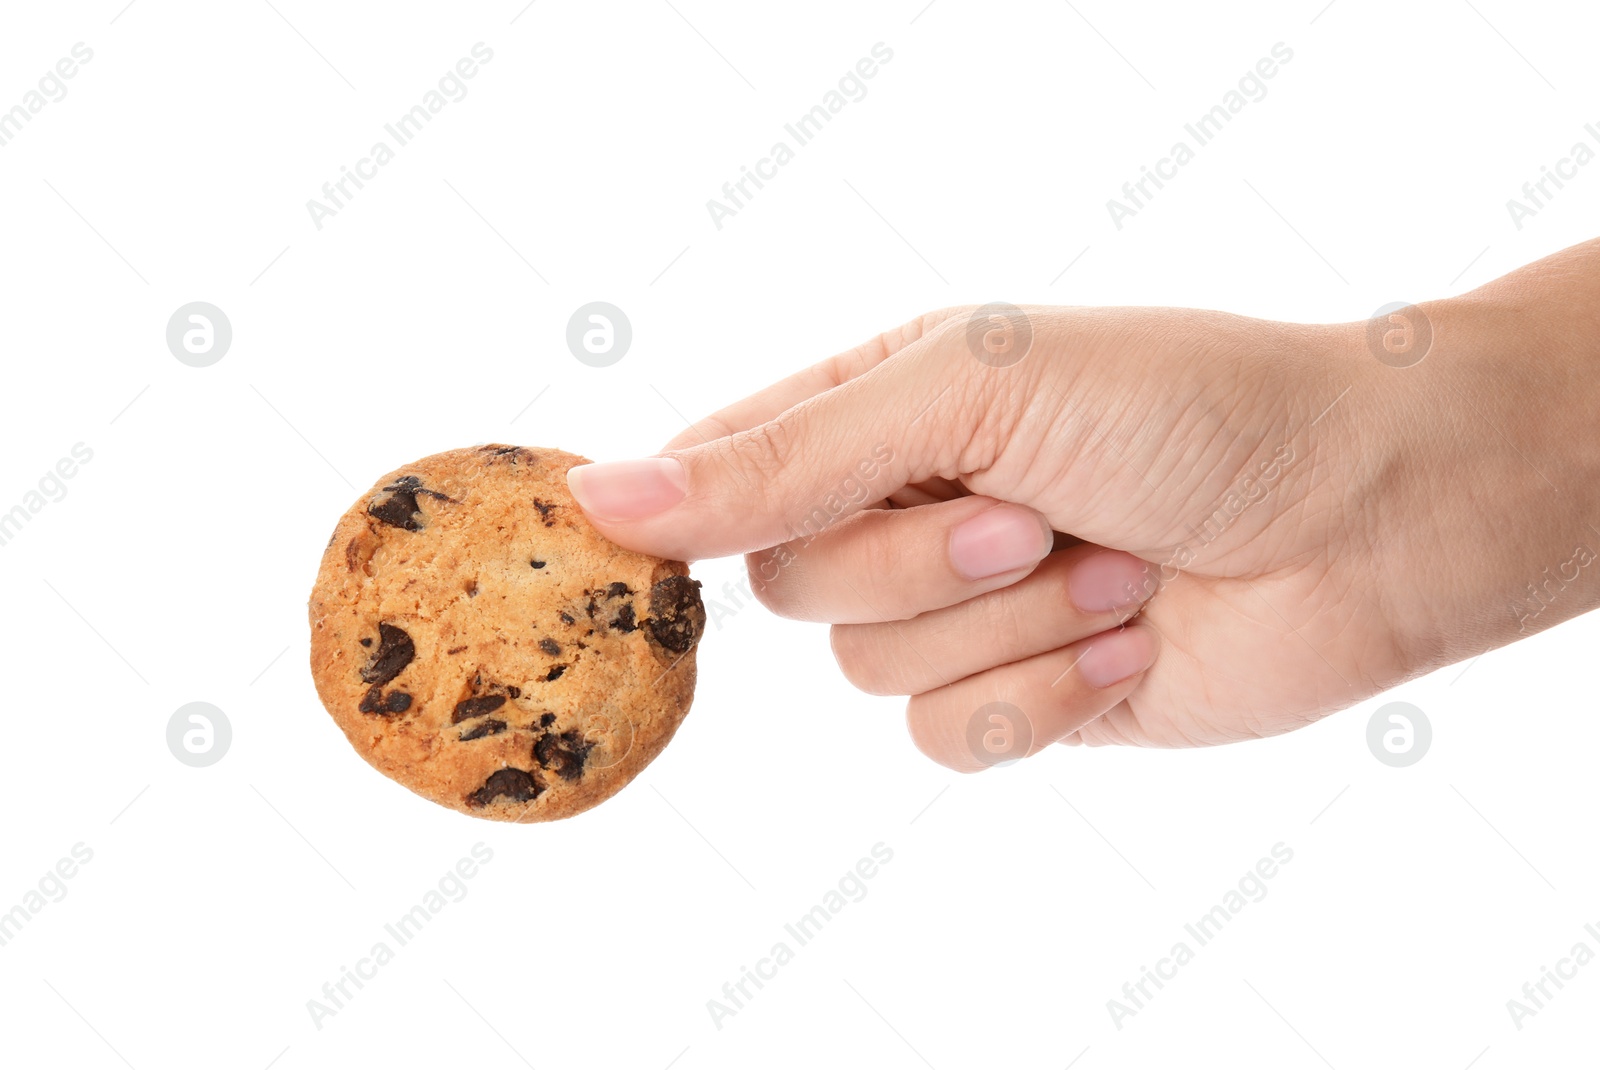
x=1150, y=526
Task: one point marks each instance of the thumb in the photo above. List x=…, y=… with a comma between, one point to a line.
x=825, y=458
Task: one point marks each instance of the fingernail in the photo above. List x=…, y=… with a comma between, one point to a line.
x=1000, y=539
x=628, y=490
x=1115, y=656
x=1109, y=580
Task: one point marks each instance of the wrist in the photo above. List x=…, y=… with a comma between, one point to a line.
x=1486, y=518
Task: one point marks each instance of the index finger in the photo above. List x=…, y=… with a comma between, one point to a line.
x=786, y=393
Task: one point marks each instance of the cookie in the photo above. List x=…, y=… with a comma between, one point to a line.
x=477, y=641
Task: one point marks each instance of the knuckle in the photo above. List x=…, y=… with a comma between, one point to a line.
x=768, y=583
x=863, y=358
x=891, y=342
x=927, y=722
x=849, y=654
x=1005, y=625
x=942, y=318
x=1011, y=619
x=883, y=569
x=763, y=450
x=707, y=430
x=949, y=331
x=858, y=651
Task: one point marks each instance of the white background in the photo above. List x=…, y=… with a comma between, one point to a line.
x=431, y=311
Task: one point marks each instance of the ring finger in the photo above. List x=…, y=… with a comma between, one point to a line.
x=1010, y=712
x=1072, y=594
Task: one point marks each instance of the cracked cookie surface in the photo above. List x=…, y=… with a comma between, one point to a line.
x=478, y=642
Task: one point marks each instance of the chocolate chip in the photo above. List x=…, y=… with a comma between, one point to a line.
x=374, y=701
x=395, y=651
x=455, y=650
x=518, y=785
x=501, y=451
x=413, y=485
x=677, y=616
x=513, y=691
x=550, y=646
x=545, y=509
x=568, y=618
x=546, y=720
x=366, y=640
x=555, y=673
x=399, y=510
x=358, y=551
x=563, y=755
x=624, y=618
x=490, y=727
x=476, y=707
x=472, y=589
x=536, y=563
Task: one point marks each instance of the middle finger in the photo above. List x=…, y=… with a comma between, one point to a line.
x=893, y=564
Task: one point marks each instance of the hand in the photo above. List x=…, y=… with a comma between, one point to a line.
x=1263, y=522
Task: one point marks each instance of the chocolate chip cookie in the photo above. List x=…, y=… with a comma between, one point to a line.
x=480, y=643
